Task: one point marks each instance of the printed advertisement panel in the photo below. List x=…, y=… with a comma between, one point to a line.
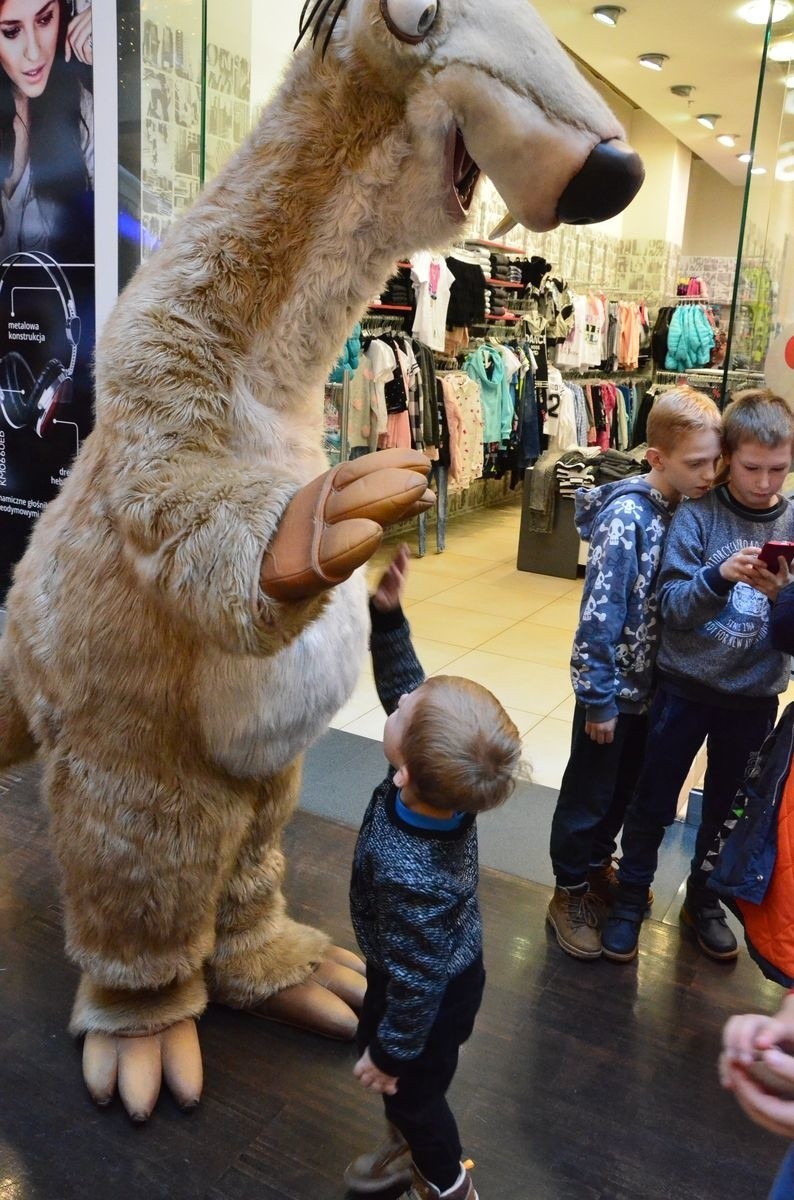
x=47, y=286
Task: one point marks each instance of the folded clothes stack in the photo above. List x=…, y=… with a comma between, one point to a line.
x=577, y=469
x=398, y=291
x=619, y=464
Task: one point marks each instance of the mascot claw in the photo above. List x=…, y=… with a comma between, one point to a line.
x=327, y=1002
x=335, y=523
x=137, y=1065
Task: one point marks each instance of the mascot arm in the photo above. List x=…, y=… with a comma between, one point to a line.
x=195, y=531
x=246, y=559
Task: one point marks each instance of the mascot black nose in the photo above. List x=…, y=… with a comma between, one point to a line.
x=606, y=184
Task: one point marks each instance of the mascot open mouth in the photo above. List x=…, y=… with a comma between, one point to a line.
x=463, y=171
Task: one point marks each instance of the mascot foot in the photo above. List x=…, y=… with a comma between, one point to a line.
x=346, y=958
x=326, y=1003
x=136, y=1065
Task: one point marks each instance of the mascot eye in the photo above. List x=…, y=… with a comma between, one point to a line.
x=409, y=20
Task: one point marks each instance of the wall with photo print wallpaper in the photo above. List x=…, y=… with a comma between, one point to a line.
x=171, y=103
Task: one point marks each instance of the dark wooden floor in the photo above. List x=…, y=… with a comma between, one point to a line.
x=582, y=1081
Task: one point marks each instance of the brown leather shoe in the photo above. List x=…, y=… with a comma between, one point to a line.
x=573, y=915
x=387, y=1166
x=603, y=881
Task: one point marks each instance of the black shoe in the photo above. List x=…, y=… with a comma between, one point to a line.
x=621, y=933
x=706, y=920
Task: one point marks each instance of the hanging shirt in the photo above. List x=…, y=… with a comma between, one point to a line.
x=432, y=281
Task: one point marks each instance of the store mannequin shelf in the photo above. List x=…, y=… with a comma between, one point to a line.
x=503, y=283
x=388, y=308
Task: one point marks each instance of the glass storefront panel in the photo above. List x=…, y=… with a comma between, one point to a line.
x=764, y=292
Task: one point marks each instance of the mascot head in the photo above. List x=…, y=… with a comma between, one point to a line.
x=483, y=87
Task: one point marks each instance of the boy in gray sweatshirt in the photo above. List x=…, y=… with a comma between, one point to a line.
x=719, y=675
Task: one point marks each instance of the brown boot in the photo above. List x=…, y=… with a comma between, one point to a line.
x=603, y=881
x=421, y=1189
x=573, y=915
x=385, y=1167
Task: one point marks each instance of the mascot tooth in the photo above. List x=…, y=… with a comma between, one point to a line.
x=188, y=615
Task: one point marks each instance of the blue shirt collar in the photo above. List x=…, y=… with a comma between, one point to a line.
x=421, y=821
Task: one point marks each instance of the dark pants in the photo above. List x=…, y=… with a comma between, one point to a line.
x=783, y=1187
x=677, y=727
x=419, y=1109
x=598, y=784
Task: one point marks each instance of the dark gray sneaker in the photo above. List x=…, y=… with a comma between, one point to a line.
x=387, y=1166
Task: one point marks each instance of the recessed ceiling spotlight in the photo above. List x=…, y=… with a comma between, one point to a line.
x=683, y=89
x=708, y=119
x=654, y=62
x=757, y=11
x=745, y=157
x=758, y=170
x=608, y=14
x=782, y=51
x=727, y=139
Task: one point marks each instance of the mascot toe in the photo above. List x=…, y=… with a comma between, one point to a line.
x=188, y=616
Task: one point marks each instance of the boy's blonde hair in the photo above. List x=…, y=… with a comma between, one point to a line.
x=461, y=749
x=678, y=412
x=756, y=415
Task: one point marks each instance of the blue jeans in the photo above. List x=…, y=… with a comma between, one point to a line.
x=598, y=783
x=441, y=475
x=783, y=1187
x=677, y=727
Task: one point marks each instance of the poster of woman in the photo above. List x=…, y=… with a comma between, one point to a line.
x=46, y=255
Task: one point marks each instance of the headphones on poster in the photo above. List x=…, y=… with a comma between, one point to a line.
x=26, y=398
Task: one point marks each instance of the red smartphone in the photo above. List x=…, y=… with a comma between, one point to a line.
x=772, y=551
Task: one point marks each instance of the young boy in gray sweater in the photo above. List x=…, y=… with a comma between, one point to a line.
x=719, y=674
x=453, y=752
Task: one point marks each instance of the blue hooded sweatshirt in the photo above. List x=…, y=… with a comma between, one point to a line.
x=486, y=366
x=615, y=644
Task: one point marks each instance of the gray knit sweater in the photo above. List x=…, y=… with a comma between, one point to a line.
x=716, y=641
x=413, y=891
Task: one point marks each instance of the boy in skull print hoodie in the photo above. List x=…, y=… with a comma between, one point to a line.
x=614, y=650
x=615, y=644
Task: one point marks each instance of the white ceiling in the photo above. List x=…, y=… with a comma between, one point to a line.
x=709, y=45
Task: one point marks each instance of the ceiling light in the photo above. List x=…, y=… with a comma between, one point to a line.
x=758, y=170
x=782, y=51
x=654, y=62
x=789, y=82
x=727, y=139
x=683, y=89
x=608, y=14
x=757, y=11
x=746, y=157
x=708, y=119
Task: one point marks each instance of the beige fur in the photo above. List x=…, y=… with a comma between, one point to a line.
x=170, y=700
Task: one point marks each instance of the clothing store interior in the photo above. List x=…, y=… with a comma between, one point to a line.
x=525, y=365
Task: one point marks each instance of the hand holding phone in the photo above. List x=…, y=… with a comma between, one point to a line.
x=772, y=551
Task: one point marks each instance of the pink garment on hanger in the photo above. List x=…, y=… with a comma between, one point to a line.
x=398, y=431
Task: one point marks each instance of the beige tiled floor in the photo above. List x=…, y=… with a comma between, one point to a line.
x=473, y=614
